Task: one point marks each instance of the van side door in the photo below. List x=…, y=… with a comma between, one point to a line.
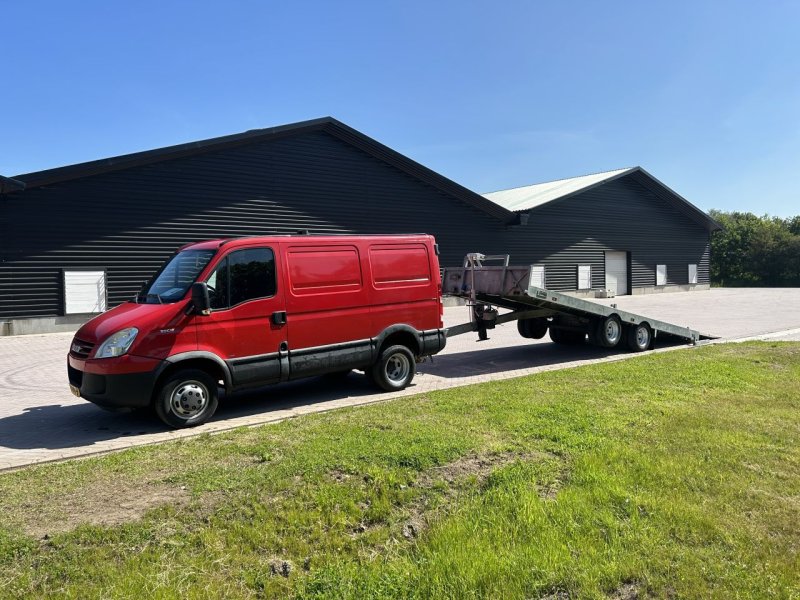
x=328, y=306
x=247, y=325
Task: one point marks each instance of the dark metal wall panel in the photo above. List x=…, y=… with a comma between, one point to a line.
x=622, y=215
x=129, y=221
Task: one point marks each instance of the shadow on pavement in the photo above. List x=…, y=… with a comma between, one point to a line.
x=67, y=426
x=77, y=425
x=500, y=360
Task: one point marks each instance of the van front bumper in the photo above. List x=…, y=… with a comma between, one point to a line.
x=124, y=382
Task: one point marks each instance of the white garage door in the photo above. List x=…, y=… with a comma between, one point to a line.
x=617, y=272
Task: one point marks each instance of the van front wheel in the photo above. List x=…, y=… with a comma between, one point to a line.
x=187, y=398
x=394, y=370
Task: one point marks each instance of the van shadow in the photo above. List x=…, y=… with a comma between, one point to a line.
x=56, y=426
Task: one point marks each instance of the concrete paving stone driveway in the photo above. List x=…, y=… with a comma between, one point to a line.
x=41, y=421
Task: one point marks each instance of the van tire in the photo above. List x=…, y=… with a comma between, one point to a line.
x=394, y=369
x=187, y=398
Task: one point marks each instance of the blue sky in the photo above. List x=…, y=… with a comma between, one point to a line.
x=704, y=95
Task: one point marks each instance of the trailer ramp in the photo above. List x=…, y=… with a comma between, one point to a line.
x=486, y=287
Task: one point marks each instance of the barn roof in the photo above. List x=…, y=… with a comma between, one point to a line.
x=530, y=197
x=8, y=185
x=326, y=124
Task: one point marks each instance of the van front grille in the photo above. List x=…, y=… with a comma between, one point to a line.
x=81, y=348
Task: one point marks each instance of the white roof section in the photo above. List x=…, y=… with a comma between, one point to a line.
x=531, y=196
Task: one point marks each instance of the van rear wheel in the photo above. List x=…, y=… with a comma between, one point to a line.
x=394, y=370
x=186, y=399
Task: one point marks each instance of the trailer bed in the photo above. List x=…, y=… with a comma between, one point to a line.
x=508, y=287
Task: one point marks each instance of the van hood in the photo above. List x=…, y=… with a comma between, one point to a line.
x=145, y=317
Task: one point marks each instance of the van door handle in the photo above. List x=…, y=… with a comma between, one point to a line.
x=279, y=317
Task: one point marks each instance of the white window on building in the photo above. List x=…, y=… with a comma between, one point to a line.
x=84, y=292
x=661, y=274
x=537, y=277
x=692, y=273
x=584, y=277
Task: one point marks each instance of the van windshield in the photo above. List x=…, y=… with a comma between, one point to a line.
x=174, y=278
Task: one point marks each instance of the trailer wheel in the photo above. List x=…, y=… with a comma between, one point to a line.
x=578, y=338
x=394, y=370
x=574, y=338
x=557, y=335
x=609, y=331
x=522, y=328
x=187, y=398
x=566, y=337
x=534, y=328
x=537, y=328
x=639, y=337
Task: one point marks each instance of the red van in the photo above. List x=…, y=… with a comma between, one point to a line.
x=247, y=312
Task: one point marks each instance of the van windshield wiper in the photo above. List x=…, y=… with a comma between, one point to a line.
x=149, y=294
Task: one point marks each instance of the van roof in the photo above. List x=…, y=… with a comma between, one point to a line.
x=326, y=237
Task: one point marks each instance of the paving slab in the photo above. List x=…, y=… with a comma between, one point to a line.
x=721, y=312
x=41, y=421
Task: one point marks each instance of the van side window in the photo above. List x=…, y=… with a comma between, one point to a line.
x=218, y=286
x=252, y=274
x=243, y=275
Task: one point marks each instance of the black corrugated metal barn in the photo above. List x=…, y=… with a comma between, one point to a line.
x=105, y=226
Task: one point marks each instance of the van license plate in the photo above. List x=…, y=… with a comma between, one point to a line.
x=76, y=391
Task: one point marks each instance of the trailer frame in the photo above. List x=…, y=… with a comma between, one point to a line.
x=486, y=287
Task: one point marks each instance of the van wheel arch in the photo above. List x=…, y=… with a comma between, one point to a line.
x=402, y=335
x=208, y=365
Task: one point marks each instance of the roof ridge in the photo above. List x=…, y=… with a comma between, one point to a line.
x=519, y=187
x=328, y=125
x=121, y=160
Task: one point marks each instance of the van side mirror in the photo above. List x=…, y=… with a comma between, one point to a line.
x=200, y=299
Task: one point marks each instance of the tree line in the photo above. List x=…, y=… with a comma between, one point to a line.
x=755, y=251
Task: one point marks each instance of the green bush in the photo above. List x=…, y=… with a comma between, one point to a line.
x=755, y=251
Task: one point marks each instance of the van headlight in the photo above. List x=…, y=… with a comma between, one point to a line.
x=117, y=344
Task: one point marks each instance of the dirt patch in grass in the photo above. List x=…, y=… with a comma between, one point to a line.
x=479, y=466
x=100, y=503
x=627, y=591
x=438, y=488
x=472, y=469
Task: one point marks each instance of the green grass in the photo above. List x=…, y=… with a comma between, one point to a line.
x=671, y=475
